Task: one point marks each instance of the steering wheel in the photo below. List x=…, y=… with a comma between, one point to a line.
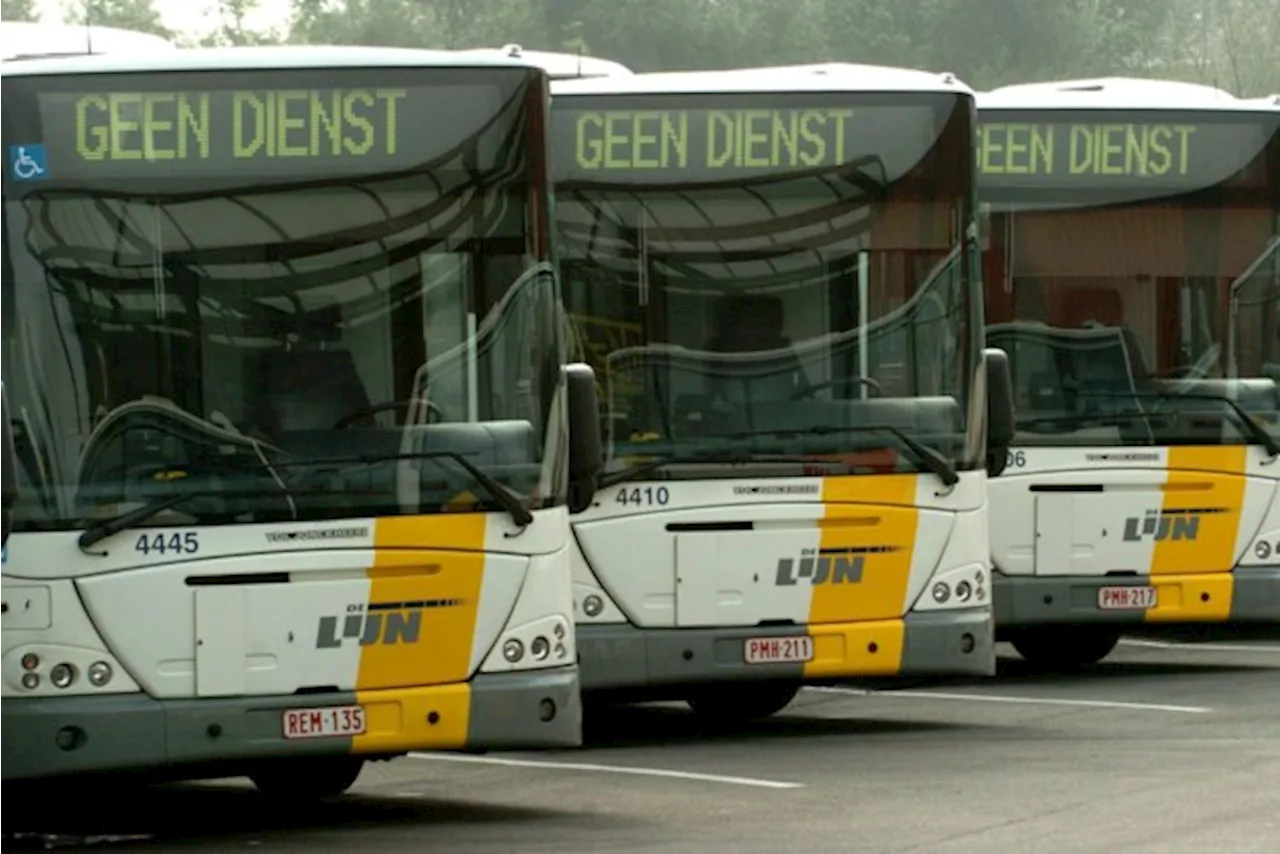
x=862, y=381
x=350, y=418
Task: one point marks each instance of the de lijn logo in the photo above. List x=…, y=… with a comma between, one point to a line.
x=28, y=162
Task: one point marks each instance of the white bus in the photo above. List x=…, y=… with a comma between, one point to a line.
x=236, y=548
x=774, y=274
x=1132, y=272
x=26, y=39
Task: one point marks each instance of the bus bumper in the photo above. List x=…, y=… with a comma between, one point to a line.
x=1246, y=595
x=622, y=657
x=61, y=736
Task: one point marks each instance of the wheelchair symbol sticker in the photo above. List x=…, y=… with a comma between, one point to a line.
x=28, y=162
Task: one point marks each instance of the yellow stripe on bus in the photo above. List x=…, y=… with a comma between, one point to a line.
x=424, y=588
x=1208, y=483
x=872, y=517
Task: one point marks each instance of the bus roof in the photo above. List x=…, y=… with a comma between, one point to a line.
x=826, y=77
x=22, y=39
x=263, y=58
x=1115, y=93
x=559, y=66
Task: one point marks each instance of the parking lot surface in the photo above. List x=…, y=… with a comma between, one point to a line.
x=1170, y=745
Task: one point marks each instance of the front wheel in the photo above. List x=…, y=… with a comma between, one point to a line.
x=742, y=701
x=309, y=778
x=1068, y=646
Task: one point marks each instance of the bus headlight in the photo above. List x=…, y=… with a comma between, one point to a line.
x=540, y=648
x=513, y=650
x=941, y=592
x=99, y=674
x=963, y=591
x=592, y=605
x=62, y=675
x=30, y=681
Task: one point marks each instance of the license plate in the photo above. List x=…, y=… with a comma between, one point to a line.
x=327, y=722
x=1126, y=598
x=778, y=650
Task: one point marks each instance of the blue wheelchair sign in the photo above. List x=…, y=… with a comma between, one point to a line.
x=28, y=162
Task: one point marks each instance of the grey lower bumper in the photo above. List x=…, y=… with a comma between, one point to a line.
x=60, y=736
x=623, y=657
x=1073, y=600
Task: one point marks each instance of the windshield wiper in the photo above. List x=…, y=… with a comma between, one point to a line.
x=728, y=458
x=1251, y=428
x=931, y=458
x=1092, y=419
x=104, y=528
x=501, y=496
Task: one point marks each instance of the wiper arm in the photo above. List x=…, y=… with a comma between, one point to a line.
x=613, y=478
x=1077, y=420
x=930, y=458
x=1251, y=428
x=112, y=525
x=501, y=496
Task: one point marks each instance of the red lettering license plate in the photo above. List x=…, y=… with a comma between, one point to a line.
x=787, y=650
x=327, y=722
x=1126, y=598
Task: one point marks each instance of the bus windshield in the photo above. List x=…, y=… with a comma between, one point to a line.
x=771, y=272
x=294, y=292
x=1132, y=273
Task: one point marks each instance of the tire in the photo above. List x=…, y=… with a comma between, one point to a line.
x=308, y=779
x=1068, y=646
x=742, y=701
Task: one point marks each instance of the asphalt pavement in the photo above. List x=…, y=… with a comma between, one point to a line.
x=1170, y=745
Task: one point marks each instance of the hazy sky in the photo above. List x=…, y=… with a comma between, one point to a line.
x=186, y=15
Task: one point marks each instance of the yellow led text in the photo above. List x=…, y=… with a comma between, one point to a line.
x=715, y=139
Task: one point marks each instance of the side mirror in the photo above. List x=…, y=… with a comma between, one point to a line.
x=9, y=466
x=1000, y=416
x=586, y=454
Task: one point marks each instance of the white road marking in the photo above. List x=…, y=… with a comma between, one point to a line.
x=1207, y=647
x=1030, y=701
x=609, y=769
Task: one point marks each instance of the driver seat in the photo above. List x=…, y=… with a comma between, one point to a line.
x=305, y=390
x=751, y=324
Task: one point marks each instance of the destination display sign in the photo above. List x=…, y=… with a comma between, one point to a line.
x=627, y=141
x=235, y=131
x=1105, y=151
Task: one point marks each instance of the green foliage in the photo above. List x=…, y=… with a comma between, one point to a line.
x=139, y=15
x=18, y=10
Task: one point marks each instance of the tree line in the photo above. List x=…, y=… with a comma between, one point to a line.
x=987, y=43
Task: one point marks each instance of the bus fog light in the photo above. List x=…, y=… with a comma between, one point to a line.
x=99, y=673
x=540, y=648
x=62, y=675
x=30, y=661
x=963, y=591
x=513, y=650
x=546, y=710
x=30, y=681
x=592, y=605
x=967, y=643
x=941, y=592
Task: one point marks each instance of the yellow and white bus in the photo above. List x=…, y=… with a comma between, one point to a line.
x=1132, y=274
x=774, y=274
x=261, y=527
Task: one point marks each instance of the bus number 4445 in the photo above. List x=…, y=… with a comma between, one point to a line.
x=163, y=544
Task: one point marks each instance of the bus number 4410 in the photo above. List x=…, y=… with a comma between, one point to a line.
x=162, y=544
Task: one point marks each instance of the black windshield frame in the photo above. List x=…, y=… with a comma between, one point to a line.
x=1119, y=277
x=411, y=248
x=912, y=156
